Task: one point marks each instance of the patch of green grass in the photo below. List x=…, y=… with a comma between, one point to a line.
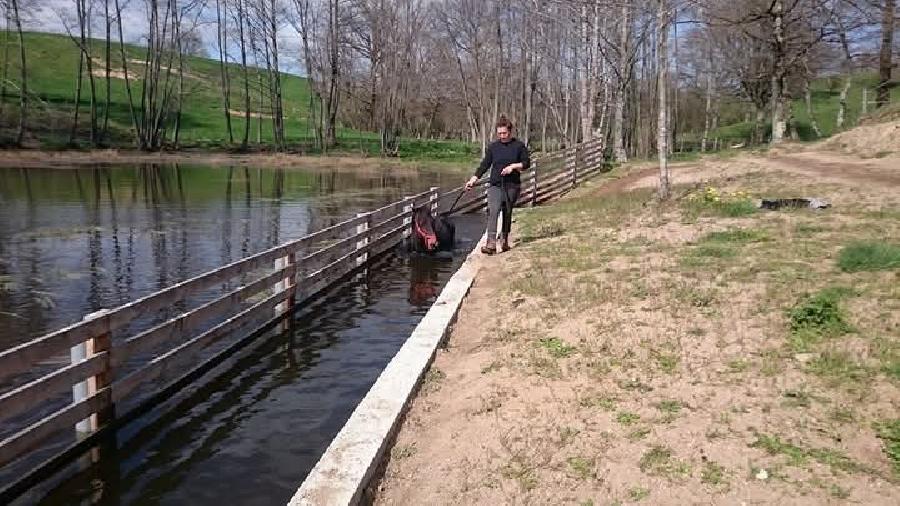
x=737, y=236
x=869, y=256
x=737, y=208
x=659, y=461
x=714, y=251
x=889, y=433
x=669, y=406
x=627, y=418
x=521, y=471
x=838, y=492
x=713, y=474
x=799, y=456
x=695, y=297
x=638, y=434
x=838, y=367
x=808, y=229
x=887, y=351
x=668, y=363
x=581, y=467
x=638, y=493
x=557, y=347
x=533, y=231
x=604, y=403
x=433, y=379
x=825, y=101
x=817, y=317
x=738, y=365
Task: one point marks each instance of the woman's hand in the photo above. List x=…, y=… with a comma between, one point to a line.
x=471, y=182
x=510, y=168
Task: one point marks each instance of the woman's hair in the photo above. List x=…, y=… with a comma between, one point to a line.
x=504, y=122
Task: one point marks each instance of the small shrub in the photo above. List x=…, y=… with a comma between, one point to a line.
x=626, y=418
x=658, y=461
x=557, y=347
x=713, y=202
x=816, y=317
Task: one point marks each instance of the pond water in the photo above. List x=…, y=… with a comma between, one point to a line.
x=77, y=240
x=73, y=241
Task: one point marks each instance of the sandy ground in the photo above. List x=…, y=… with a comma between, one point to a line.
x=618, y=355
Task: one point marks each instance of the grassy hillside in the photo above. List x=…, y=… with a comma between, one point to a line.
x=53, y=65
x=825, y=102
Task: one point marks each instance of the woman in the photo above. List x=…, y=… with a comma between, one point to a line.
x=507, y=157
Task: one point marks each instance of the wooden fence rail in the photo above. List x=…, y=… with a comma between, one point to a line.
x=269, y=285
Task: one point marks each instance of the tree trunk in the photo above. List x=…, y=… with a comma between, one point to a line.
x=176, y=19
x=242, y=14
x=332, y=96
x=585, y=85
x=221, y=32
x=104, y=136
x=86, y=49
x=662, y=90
x=278, y=112
x=848, y=69
x=499, y=74
x=134, y=121
x=885, y=59
x=23, y=89
x=778, y=99
x=619, y=151
x=707, y=116
x=4, y=74
x=73, y=134
x=807, y=97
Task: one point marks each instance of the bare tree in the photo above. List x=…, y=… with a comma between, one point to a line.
x=23, y=75
x=885, y=61
x=222, y=44
x=662, y=51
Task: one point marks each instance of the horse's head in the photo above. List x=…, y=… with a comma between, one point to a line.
x=423, y=226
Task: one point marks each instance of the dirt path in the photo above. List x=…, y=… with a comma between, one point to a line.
x=626, y=352
x=839, y=167
x=825, y=166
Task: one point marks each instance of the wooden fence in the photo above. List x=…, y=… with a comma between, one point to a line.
x=107, y=368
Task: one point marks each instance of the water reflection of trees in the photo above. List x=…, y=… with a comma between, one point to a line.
x=136, y=229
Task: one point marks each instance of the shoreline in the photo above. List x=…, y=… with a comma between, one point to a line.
x=23, y=158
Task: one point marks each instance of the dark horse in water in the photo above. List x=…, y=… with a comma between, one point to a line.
x=431, y=234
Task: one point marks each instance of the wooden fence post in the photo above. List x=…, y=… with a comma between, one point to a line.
x=288, y=282
x=90, y=386
x=865, y=100
x=534, y=182
x=363, y=241
x=572, y=163
x=433, y=199
x=407, y=221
